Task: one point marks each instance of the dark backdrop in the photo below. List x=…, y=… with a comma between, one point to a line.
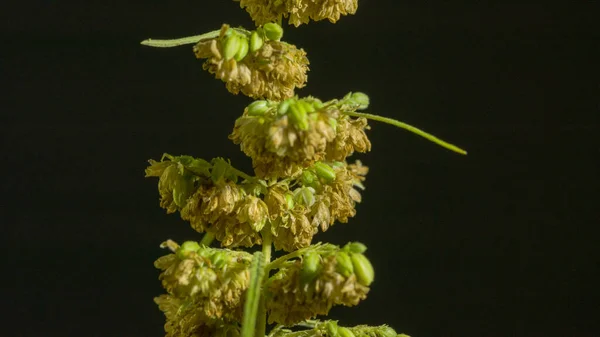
x=502, y=242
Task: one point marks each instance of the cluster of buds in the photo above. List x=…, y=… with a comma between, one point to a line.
x=285, y=137
x=298, y=11
x=256, y=63
x=330, y=328
x=205, y=288
x=325, y=276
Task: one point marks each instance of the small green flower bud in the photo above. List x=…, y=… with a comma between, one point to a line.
x=345, y=332
x=344, y=264
x=355, y=247
x=186, y=248
x=305, y=195
x=361, y=99
x=307, y=106
x=284, y=106
x=243, y=49
x=183, y=188
x=332, y=328
x=310, y=267
x=289, y=199
x=219, y=169
x=218, y=259
x=363, y=269
x=256, y=41
x=324, y=171
x=308, y=178
x=231, y=46
x=298, y=116
x=257, y=108
x=200, y=166
x=317, y=103
x=386, y=331
x=273, y=31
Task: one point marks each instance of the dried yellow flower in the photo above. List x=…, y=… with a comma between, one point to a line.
x=211, y=280
x=350, y=137
x=290, y=299
x=293, y=230
x=273, y=71
x=298, y=11
x=279, y=147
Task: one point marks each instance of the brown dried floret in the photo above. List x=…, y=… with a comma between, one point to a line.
x=350, y=137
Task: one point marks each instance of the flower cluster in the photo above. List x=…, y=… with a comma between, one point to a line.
x=283, y=138
x=255, y=63
x=324, y=277
x=205, y=288
x=330, y=328
x=298, y=11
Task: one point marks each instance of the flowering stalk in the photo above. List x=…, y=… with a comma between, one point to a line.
x=303, y=183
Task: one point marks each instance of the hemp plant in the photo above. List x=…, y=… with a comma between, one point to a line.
x=302, y=183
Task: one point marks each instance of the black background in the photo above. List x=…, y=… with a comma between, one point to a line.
x=502, y=242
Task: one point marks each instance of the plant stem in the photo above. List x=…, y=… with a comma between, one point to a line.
x=409, y=128
x=207, y=239
x=181, y=41
x=261, y=324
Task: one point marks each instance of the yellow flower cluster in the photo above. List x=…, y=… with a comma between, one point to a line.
x=205, y=288
x=271, y=70
x=312, y=286
x=217, y=205
x=298, y=11
x=283, y=138
x=316, y=203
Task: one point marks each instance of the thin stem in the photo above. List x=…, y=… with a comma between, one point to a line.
x=180, y=41
x=409, y=128
x=282, y=259
x=207, y=239
x=242, y=174
x=261, y=324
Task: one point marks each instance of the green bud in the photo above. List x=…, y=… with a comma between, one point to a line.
x=289, y=199
x=324, y=171
x=363, y=269
x=218, y=259
x=257, y=108
x=308, y=178
x=200, y=166
x=219, y=169
x=310, y=267
x=231, y=46
x=332, y=328
x=361, y=99
x=307, y=106
x=284, y=106
x=355, y=247
x=386, y=331
x=243, y=49
x=317, y=103
x=298, y=116
x=256, y=41
x=186, y=248
x=345, y=332
x=344, y=264
x=183, y=188
x=305, y=195
x=273, y=31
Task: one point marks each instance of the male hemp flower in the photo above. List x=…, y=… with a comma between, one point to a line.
x=292, y=296
x=254, y=64
x=298, y=11
x=211, y=280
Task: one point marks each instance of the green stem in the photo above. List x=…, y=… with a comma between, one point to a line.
x=409, y=128
x=261, y=324
x=282, y=259
x=207, y=239
x=242, y=174
x=253, y=295
x=181, y=41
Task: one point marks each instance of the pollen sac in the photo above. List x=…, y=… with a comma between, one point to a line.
x=310, y=267
x=243, y=49
x=360, y=99
x=355, y=247
x=231, y=46
x=324, y=171
x=345, y=332
x=273, y=31
x=363, y=269
x=345, y=264
x=256, y=41
x=186, y=248
x=257, y=108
